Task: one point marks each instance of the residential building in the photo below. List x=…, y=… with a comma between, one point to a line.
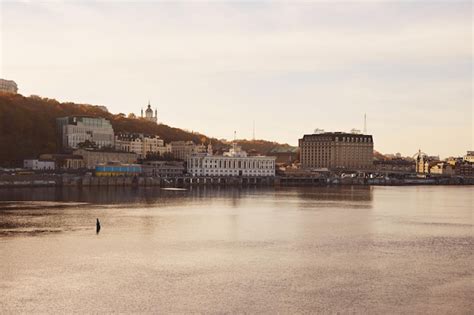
x=38, y=164
x=149, y=114
x=336, y=150
x=469, y=157
x=232, y=163
x=8, y=86
x=163, y=168
x=76, y=130
x=465, y=169
x=92, y=158
x=181, y=150
x=142, y=145
x=284, y=155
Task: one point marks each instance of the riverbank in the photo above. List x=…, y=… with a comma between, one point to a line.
x=67, y=180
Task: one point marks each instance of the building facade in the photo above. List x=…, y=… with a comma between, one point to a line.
x=65, y=161
x=336, y=150
x=75, y=130
x=469, y=157
x=163, y=168
x=149, y=114
x=232, y=163
x=8, y=86
x=142, y=145
x=284, y=156
x=92, y=158
x=38, y=164
x=182, y=150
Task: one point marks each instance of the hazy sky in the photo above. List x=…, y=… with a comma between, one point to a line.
x=215, y=67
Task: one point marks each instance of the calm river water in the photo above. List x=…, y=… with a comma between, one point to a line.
x=249, y=250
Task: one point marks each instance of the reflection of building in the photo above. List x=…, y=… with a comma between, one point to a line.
x=8, y=86
x=149, y=114
x=94, y=157
x=80, y=129
x=163, y=168
x=336, y=150
x=284, y=155
x=38, y=164
x=141, y=144
x=181, y=150
x=232, y=163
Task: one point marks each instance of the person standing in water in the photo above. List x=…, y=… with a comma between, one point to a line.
x=97, y=226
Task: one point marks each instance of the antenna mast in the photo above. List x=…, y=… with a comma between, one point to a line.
x=365, y=124
x=253, y=130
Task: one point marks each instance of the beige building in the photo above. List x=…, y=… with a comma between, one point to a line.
x=469, y=157
x=442, y=168
x=75, y=130
x=181, y=150
x=336, y=150
x=92, y=158
x=149, y=114
x=8, y=86
x=140, y=144
x=163, y=168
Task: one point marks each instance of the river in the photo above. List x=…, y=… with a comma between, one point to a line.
x=238, y=250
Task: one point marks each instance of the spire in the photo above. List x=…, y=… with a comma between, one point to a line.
x=142, y=112
x=365, y=124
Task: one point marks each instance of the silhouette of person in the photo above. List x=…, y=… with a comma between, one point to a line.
x=97, y=226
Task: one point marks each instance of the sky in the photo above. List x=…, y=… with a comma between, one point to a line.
x=289, y=66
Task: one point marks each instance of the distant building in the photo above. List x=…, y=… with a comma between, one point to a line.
x=395, y=165
x=163, y=168
x=181, y=150
x=65, y=161
x=8, y=86
x=425, y=162
x=92, y=158
x=469, y=157
x=38, y=164
x=232, y=163
x=442, y=168
x=336, y=150
x=75, y=130
x=465, y=169
x=149, y=114
x=141, y=144
x=284, y=155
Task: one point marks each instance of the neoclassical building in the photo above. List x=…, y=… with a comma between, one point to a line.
x=141, y=144
x=149, y=114
x=232, y=163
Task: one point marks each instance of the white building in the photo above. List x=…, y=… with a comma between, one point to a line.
x=79, y=129
x=35, y=164
x=149, y=114
x=232, y=163
x=8, y=86
x=142, y=145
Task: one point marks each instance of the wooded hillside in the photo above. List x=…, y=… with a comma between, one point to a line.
x=28, y=127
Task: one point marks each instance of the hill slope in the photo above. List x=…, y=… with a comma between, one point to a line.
x=28, y=127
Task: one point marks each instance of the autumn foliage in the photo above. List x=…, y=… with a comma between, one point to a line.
x=28, y=128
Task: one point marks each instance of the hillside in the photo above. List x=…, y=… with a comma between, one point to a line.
x=28, y=127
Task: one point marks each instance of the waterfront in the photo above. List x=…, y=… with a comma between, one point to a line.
x=233, y=250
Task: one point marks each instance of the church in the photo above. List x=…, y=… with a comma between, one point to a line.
x=149, y=114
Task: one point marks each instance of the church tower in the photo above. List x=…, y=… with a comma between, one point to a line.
x=149, y=114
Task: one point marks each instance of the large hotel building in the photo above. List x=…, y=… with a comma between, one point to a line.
x=336, y=150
